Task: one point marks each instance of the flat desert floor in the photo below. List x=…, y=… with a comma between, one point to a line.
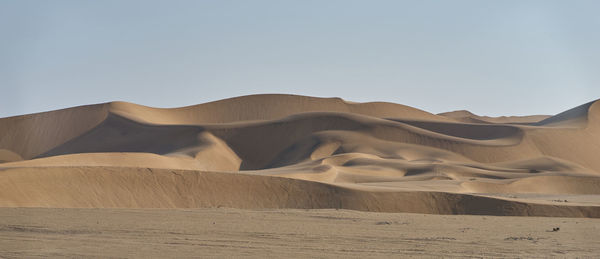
x=223, y=232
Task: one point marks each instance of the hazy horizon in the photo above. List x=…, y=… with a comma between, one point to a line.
x=491, y=58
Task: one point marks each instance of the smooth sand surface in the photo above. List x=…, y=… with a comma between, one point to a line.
x=185, y=233
x=288, y=151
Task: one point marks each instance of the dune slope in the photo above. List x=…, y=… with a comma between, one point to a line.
x=286, y=151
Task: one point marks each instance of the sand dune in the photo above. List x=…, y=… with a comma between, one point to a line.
x=576, y=117
x=286, y=151
x=166, y=188
x=262, y=107
x=469, y=117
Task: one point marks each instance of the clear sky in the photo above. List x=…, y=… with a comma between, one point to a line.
x=491, y=57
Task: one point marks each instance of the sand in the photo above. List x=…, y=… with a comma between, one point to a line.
x=225, y=232
x=288, y=151
x=302, y=176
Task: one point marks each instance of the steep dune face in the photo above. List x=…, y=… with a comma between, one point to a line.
x=282, y=151
x=594, y=115
x=119, y=134
x=576, y=117
x=573, y=135
x=30, y=135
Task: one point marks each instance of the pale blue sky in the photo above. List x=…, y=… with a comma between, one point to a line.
x=490, y=57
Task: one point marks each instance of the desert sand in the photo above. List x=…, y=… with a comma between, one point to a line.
x=287, y=151
x=296, y=152
x=288, y=233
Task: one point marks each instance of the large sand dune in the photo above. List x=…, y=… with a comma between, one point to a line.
x=286, y=151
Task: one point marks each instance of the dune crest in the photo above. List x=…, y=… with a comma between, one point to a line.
x=261, y=107
x=288, y=151
x=577, y=117
x=469, y=117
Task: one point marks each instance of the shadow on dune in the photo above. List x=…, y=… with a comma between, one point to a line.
x=280, y=151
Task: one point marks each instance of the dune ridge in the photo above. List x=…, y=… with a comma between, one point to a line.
x=111, y=187
x=288, y=151
x=469, y=117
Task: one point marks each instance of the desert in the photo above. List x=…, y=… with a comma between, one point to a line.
x=271, y=154
x=286, y=151
x=299, y=129
x=396, y=179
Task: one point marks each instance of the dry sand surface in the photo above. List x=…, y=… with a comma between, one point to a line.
x=298, y=152
x=287, y=151
x=159, y=233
